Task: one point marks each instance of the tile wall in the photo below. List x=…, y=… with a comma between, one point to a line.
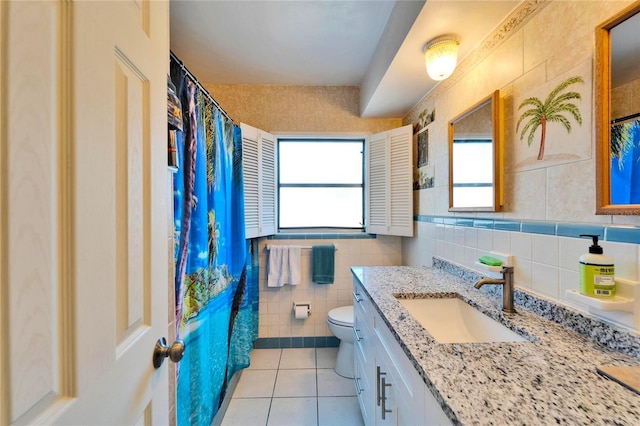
x=276, y=315
x=540, y=44
x=545, y=255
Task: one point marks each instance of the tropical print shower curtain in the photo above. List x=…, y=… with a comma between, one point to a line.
x=216, y=268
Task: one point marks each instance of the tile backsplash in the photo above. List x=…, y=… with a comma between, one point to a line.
x=276, y=317
x=545, y=264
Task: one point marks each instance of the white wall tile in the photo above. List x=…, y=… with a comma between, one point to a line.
x=431, y=230
x=276, y=304
x=485, y=239
x=522, y=272
x=570, y=251
x=471, y=237
x=501, y=242
x=458, y=235
x=449, y=233
x=448, y=250
x=569, y=280
x=545, y=249
x=545, y=279
x=439, y=248
x=458, y=254
x=625, y=258
x=470, y=257
x=521, y=245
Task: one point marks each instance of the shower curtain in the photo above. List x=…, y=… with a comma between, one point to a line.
x=216, y=268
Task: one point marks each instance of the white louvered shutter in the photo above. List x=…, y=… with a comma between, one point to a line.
x=250, y=168
x=267, y=183
x=377, y=184
x=389, y=182
x=258, y=163
x=401, y=181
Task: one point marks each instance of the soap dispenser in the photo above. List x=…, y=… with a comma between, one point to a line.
x=596, y=272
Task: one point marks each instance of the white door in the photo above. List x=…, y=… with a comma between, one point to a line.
x=84, y=199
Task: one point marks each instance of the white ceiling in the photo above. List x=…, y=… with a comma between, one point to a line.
x=376, y=45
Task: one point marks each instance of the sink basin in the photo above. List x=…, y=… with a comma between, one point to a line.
x=451, y=320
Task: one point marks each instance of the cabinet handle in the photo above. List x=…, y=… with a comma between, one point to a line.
x=384, y=410
x=358, y=388
x=379, y=375
x=355, y=331
x=355, y=296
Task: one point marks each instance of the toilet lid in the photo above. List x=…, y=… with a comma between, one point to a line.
x=342, y=315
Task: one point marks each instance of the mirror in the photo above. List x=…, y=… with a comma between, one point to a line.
x=474, y=158
x=617, y=113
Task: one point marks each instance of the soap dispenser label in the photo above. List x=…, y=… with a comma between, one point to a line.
x=597, y=280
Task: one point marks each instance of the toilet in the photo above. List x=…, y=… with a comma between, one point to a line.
x=340, y=321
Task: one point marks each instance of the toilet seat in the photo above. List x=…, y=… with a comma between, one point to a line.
x=342, y=316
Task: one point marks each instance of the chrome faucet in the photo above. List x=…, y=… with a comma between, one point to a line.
x=507, y=287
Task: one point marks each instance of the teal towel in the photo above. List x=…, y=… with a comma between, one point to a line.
x=323, y=263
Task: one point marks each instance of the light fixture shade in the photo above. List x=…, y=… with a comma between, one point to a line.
x=441, y=58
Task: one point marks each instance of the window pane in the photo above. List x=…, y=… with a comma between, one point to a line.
x=320, y=162
x=320, y=207
x=473, y=162
x=473, y=197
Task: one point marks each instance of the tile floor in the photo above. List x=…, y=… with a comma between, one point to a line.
x=293, y=387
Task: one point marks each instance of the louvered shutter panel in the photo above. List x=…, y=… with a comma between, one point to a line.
x=401, y=182
x=377, y=184
x=267, y=184
x=389, y=182
x=250, y=168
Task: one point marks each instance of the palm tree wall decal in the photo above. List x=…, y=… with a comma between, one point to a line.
x=551, y=110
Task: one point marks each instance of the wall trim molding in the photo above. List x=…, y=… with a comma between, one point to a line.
x=611, y=233
x=296, y=342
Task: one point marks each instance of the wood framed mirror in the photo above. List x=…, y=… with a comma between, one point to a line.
x=617, y=113
x=475, y=146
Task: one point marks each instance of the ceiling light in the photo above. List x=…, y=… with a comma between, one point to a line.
x=441, y=57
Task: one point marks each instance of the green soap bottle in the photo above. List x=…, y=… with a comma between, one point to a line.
x=596, y=272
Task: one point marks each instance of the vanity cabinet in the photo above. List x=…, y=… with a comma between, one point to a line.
x=390, y=390
x=364, y=354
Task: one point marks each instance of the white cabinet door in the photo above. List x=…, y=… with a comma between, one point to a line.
x=364, y=354
x=364, y=388
x=84, y=194
x=386, y=412
x=390, y=390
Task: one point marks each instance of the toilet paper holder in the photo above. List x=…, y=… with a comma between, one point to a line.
x=302, y=305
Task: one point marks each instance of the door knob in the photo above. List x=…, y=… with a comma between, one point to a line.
x=162, y=351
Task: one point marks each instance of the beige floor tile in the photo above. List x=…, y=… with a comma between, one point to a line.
x=342, y=410
x=247, y=412
x=326, y=357
x=293, y=412
x=330, y=384
x=295, y=383
x=256, y=384
x=265, y=359
x=298, y=358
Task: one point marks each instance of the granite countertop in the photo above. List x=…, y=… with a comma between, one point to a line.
x=550, y=379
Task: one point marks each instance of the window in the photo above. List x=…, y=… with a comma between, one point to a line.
x=473, y=176
x=320, y=183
